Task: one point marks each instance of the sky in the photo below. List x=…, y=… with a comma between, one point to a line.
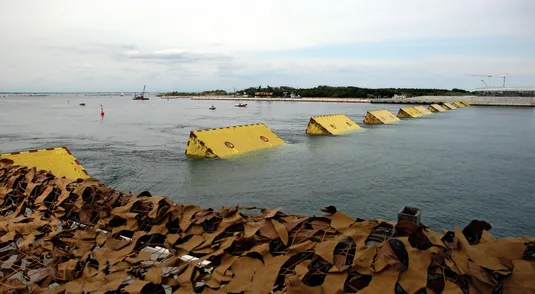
x=186, y=45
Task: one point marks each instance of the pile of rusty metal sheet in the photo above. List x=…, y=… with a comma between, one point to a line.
x=71, y=236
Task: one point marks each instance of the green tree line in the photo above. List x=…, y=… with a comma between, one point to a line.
x=204, y=93
x=333, y=92
x=355, y=92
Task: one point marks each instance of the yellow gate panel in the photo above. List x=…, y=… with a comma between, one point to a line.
x=332, y=124
x=448, y=106
x=464, y=103
x=59, y=161
x=408, y=112
x=436, y=108
x=423, y=110
x=457, y=104
x=228, y=141
x=381, y=116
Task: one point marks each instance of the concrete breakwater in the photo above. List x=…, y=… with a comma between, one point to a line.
x=472, y=100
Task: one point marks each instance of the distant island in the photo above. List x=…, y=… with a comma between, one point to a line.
x=327, y=91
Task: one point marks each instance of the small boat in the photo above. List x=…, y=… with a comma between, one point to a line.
x=122, y=94
x=241, y=105
x=142, y=96
x=212, y=108
x=82, y=104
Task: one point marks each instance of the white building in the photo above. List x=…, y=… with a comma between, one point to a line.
x=506, y=92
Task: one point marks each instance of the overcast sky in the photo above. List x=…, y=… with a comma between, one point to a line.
x=114, y=45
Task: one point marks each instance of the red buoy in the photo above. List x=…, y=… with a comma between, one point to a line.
x=101, y=110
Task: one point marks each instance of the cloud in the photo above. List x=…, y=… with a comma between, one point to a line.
x=173, y=55
x=83, y=67
x=275, y=25
x=196, y=45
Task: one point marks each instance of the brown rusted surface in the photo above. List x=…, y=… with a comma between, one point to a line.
x=73, y=236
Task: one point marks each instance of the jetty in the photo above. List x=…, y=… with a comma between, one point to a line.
x=303, y=99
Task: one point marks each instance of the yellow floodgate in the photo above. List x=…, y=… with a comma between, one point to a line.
x=457, y=104
x=408, y=112
x=229, y=141
x=423, y=110
x=448, y=106
x=58, y=160
x=436, y=108
x=333, y=124
x=464, y=103
x=381, y=116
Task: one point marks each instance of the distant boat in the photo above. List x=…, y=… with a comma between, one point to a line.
x=122, y=94
x=241, y=105
x=82, y=104
x=142, y=96
x=212, y=108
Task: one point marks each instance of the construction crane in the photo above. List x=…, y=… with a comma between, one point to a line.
x=269, y=93
x=504, y=77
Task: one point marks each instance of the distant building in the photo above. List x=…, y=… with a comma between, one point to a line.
x=263, y=94
x=396, y=96
x=506, y=92
x=290, y=95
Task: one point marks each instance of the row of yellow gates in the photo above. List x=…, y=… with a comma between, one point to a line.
x=228, y=141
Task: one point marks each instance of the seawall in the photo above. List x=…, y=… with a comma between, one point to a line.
x=472, y=100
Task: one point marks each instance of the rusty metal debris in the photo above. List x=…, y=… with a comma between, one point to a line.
x=71, y=236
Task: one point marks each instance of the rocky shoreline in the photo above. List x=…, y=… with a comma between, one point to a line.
x=62, y=235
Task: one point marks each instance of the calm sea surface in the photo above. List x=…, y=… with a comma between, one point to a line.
x=471, y=163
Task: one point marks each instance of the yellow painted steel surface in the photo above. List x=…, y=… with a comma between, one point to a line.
x=333, y=124
x=457, y=104
x=436, y=108
x=448, y=106
x=408, y=112
x=229, y=141
x=381, y=116
x=423, y=110
x=59, y=161
x=464, y=103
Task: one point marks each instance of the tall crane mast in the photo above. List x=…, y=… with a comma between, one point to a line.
x=504, y=77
